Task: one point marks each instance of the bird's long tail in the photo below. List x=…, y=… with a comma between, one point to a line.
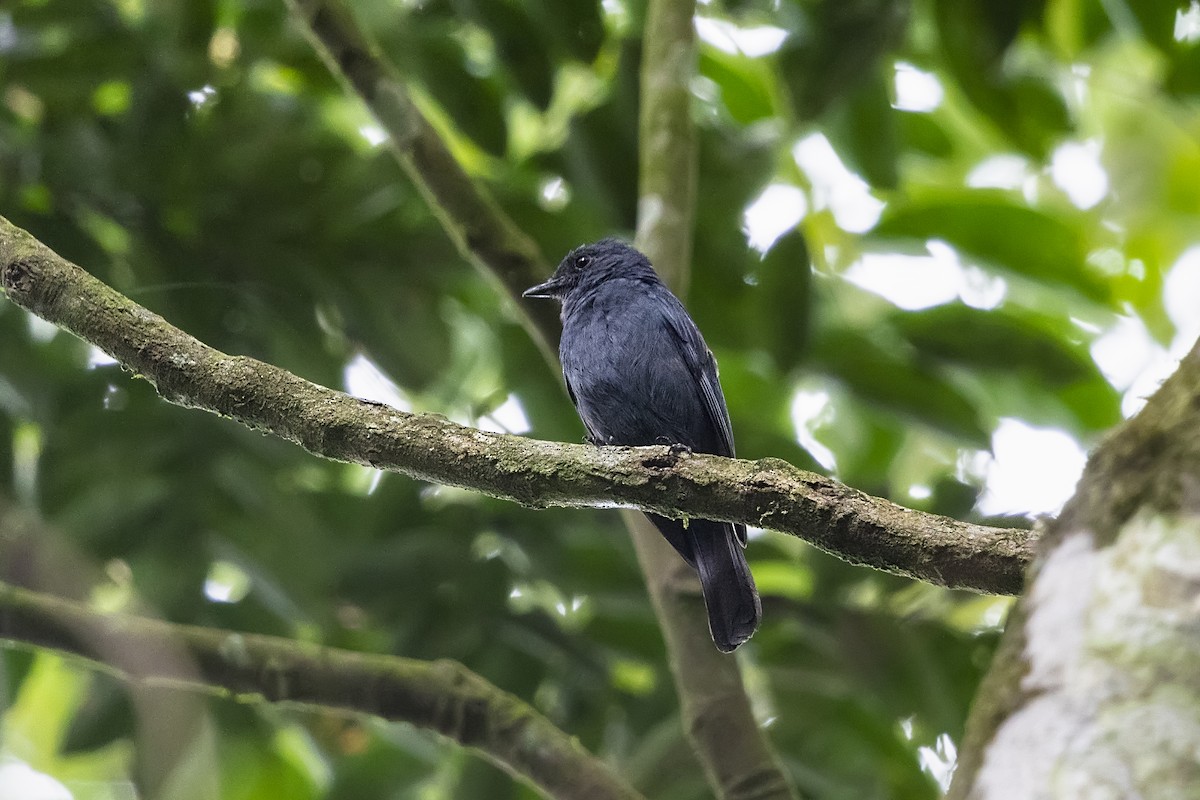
x=734, y=610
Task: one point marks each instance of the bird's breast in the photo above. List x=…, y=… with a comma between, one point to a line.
x=629, y=383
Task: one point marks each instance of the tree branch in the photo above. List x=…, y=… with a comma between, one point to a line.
x=443, y=696
x=716, y=713
x=667, y=141
x=483, y=233
x=769, y=492
x=171, y=730
x=665, y=216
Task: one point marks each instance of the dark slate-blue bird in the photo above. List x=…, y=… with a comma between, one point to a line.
x=639, y=373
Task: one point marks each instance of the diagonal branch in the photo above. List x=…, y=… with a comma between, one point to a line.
x=769, y=492
x=483, y=233
x=443, y=696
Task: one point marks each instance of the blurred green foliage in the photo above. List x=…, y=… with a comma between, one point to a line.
x=198, y=157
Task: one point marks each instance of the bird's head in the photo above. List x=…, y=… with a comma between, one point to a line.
x=589, y=265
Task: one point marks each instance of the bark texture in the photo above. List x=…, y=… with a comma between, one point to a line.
x=769, y=492
x=1094, y=690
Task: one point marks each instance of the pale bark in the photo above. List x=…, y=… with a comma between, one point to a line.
x=1094, y=691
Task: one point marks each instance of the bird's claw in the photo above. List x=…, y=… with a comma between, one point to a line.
x=675, y=451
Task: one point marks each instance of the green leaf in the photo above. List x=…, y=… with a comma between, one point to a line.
x=520, y=47
x=863, y=129
x=745, y=84
x=1001, y=338
x=975, y=36
x=434, y=54
x=104, y=716
x=889, y=377
x=784, y=298
x=1183, y=80
x=837, y=48
x=993, y=228
x=1046, y=354
x=576, y=30
x=1156, y=18
x=920, y=132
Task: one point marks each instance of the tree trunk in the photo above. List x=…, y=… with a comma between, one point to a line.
x=1095, y=691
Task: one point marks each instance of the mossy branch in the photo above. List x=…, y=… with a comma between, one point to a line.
x=769, y=492
x=443, y=696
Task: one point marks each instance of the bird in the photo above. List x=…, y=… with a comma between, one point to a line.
x=639, y=373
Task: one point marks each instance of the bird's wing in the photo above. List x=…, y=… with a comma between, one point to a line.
x=703, y=367
x=591, y=434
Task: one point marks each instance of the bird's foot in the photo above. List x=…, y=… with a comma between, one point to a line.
x=675, y=451
x=678, y=449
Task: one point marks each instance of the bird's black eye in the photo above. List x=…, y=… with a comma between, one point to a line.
x=582, y=261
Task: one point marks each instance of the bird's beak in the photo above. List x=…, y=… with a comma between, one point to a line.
x=550, y=288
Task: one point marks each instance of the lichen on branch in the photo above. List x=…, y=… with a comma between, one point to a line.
x=769, y=493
